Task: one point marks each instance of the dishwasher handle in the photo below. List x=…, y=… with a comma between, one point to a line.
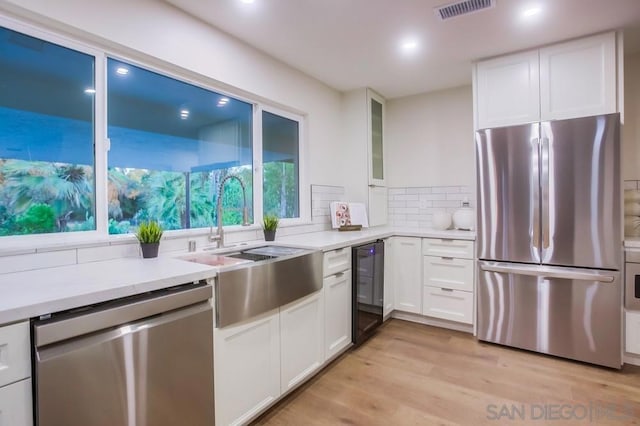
x=54, y=330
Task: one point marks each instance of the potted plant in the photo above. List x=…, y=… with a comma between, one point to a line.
x=149, y=234
x=269, y=225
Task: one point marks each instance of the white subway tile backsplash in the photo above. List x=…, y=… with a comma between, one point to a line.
x=397, y=191
x=327, y=189
x=402, y=203
x=409, y=197
x=433, y=197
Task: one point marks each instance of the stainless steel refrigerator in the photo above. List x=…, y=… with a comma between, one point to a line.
x=549, y=238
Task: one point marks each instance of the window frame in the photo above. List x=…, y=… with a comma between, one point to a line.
x=99, y=143
x=101, y=53
x=304, y=216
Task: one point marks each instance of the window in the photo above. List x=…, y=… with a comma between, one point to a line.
x=281, y=165
x=47, y=177
x=171, y=145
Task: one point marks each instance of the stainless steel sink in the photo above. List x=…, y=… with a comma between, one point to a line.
x=275, y=276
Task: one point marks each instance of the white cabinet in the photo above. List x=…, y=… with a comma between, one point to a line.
x=407, y=272
x=578, y=78
x=448, y=280
x=338, y=293
x=337, y=300
x=632, y=332
x=572, y=79
x=363, y=113
x=335, y=261
x=247, y=368
x=508, y=90
x=388, y=297
x=15, y=355
x=15, y=375
x=375, y=139
x=301, y=342
x=15, y=404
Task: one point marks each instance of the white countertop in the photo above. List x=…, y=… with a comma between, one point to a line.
x=28, y=294
x=331, y=240
x=632, y=242
x=42, y=291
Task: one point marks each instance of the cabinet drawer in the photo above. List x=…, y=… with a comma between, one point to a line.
x=447, y=272
x=447, y=248
x=336, y=261
x=452, y=305
x=15, y=404
x=15, y=358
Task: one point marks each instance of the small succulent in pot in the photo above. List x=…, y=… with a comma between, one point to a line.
x=149, y=234
x=269, y=225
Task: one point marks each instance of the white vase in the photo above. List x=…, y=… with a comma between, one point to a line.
x=464, y=219
x=441, y=220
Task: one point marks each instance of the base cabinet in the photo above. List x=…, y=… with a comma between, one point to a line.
x=15, y=404
x=15, y=375
x=407, y=273
x=337, y=298
x=301, y=349
x=388, y=297
x=632, y=332
x=247, y=368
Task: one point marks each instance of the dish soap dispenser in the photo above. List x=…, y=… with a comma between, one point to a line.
x=464, y=218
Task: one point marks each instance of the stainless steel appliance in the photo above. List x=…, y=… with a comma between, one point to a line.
x=549, y=238
x=368, y=289
x=145, y=360
x=277, y=276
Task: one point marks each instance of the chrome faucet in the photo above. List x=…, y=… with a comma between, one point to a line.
x=219, y=237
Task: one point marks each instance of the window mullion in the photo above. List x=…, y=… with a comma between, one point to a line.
x=101, y=145
x=258, y=195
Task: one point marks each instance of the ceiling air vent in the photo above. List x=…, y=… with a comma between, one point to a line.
x=462, y=8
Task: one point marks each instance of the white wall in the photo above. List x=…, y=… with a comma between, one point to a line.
x=161, y=35
x=430, y=139
x=631, y=129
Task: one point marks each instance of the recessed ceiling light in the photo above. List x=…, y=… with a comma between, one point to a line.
x=532, y=11
x=122, y=70
x=409, y=45
x=223, y=100
x=89, y=91
x=184, y=114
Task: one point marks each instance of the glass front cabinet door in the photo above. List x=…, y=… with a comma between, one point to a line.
x=376, y=149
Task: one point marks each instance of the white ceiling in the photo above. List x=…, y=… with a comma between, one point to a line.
x=350, y=44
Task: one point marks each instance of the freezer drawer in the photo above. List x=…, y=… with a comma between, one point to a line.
x=568, y=312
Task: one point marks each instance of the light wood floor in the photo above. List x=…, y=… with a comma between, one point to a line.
x=411, y=374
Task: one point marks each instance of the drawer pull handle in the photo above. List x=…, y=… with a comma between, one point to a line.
x=339, y=274
x=447, y=289
x=446, y=258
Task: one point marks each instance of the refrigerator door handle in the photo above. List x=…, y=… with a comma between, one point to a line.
x=544, y=183
x=548, y=271
x=535, y=193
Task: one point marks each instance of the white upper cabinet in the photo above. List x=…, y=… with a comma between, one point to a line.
x=573, y=79
x=375, y=139
x=508, y=90
x=578, y=78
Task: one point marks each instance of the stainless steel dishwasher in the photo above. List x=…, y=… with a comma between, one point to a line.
x=146, y=360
